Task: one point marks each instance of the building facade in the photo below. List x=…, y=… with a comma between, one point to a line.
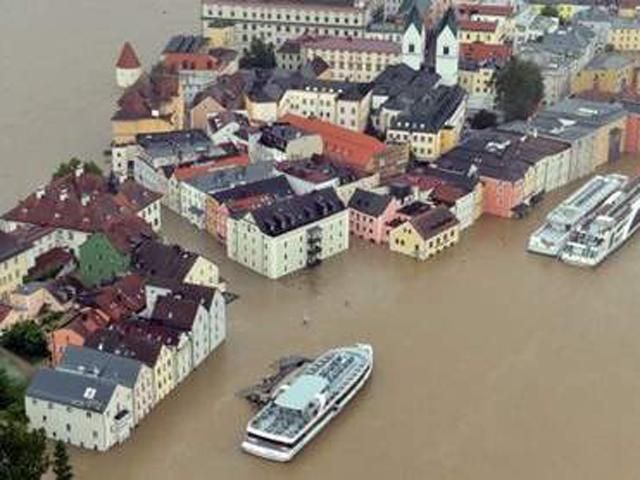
x=289, y=235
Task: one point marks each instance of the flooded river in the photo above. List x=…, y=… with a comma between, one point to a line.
x=490, y=363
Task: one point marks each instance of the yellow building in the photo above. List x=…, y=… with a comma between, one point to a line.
x=478, y=81
x=472, y=31
x=14, y=263
x=203, y=272
x=220, y=33
x=431, y=134
x=426, y=235
x=566, y=9
x=609, y=72
x=624, y=35
x=353, y=59
x=153, y=104
x=340, y=103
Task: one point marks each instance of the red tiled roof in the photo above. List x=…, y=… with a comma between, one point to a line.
x=625, y=4
x=149, y=93
x=447, y=194
x=51, y=261
x=82, y=203
x=128, y=57
x=353, y=44
x=353, y=148
x=477, y=26
x=124, y=297
x=466, y=9
x=87, y=321
x=186, y=173
x=479, y=52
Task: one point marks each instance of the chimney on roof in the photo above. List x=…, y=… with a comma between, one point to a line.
x=85, y=199
x=40, y=192
x=79, y=170
x=64, y=195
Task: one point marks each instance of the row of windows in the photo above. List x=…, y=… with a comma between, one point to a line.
x=287, y=16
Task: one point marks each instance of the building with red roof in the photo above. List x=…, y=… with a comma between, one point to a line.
x=483, y=52
x=128, y=67
x=80, y=325
x=81, y=203
x=358, y=150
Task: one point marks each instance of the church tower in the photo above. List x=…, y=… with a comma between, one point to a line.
x=447, y=48
x=413, y=40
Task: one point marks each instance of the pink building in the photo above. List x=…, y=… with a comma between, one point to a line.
x=370, y=215
x=501, y=195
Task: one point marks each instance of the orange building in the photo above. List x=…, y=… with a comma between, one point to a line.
x=80, y=326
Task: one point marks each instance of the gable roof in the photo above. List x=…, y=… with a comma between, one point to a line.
x=79, y=391
x=175, y=312
x=154, y=258
x=10, y=246
x=432, y=222
x=94, y=363
x=369, y=203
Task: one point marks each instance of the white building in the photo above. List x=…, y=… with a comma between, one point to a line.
x=82, y=410
x=128, y=67
x=289, y=235
x=132, y=374
x=275, y=22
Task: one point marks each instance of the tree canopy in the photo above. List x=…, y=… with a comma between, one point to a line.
x=259, y=55
x=23, y=453
x=550, y=11
x=66, y=168
x=26, y=339
x=61, y=466
x=519, y=89
x=484, y=119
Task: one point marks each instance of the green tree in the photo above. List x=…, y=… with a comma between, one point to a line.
x=484, y=119
x=550, y=11
x=26, y=339
x=23, y=453
x=10, y=390
x=259, y=55
x=65, y=168
x=61, y=465
x=519, y=89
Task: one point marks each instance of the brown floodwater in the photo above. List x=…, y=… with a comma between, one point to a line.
x=491, y=363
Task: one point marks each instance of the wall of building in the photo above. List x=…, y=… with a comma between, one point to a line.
x=275, y=257
x=406, y=240
x=79, y=427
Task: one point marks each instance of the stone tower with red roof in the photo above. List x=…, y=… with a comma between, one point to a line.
x=128, y=67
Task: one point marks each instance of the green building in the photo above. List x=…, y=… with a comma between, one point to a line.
x=101, y=260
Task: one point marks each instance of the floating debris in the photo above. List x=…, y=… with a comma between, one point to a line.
x=260, y=393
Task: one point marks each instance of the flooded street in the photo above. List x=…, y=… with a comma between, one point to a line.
x=490, y=363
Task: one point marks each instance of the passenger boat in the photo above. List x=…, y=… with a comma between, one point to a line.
x=551, y=237
x=606, y=229
x=300, y=409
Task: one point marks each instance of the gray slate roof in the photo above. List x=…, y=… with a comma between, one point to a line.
x=369, y=203
x=296, y=212
x=94, y=363
x=80, y=391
